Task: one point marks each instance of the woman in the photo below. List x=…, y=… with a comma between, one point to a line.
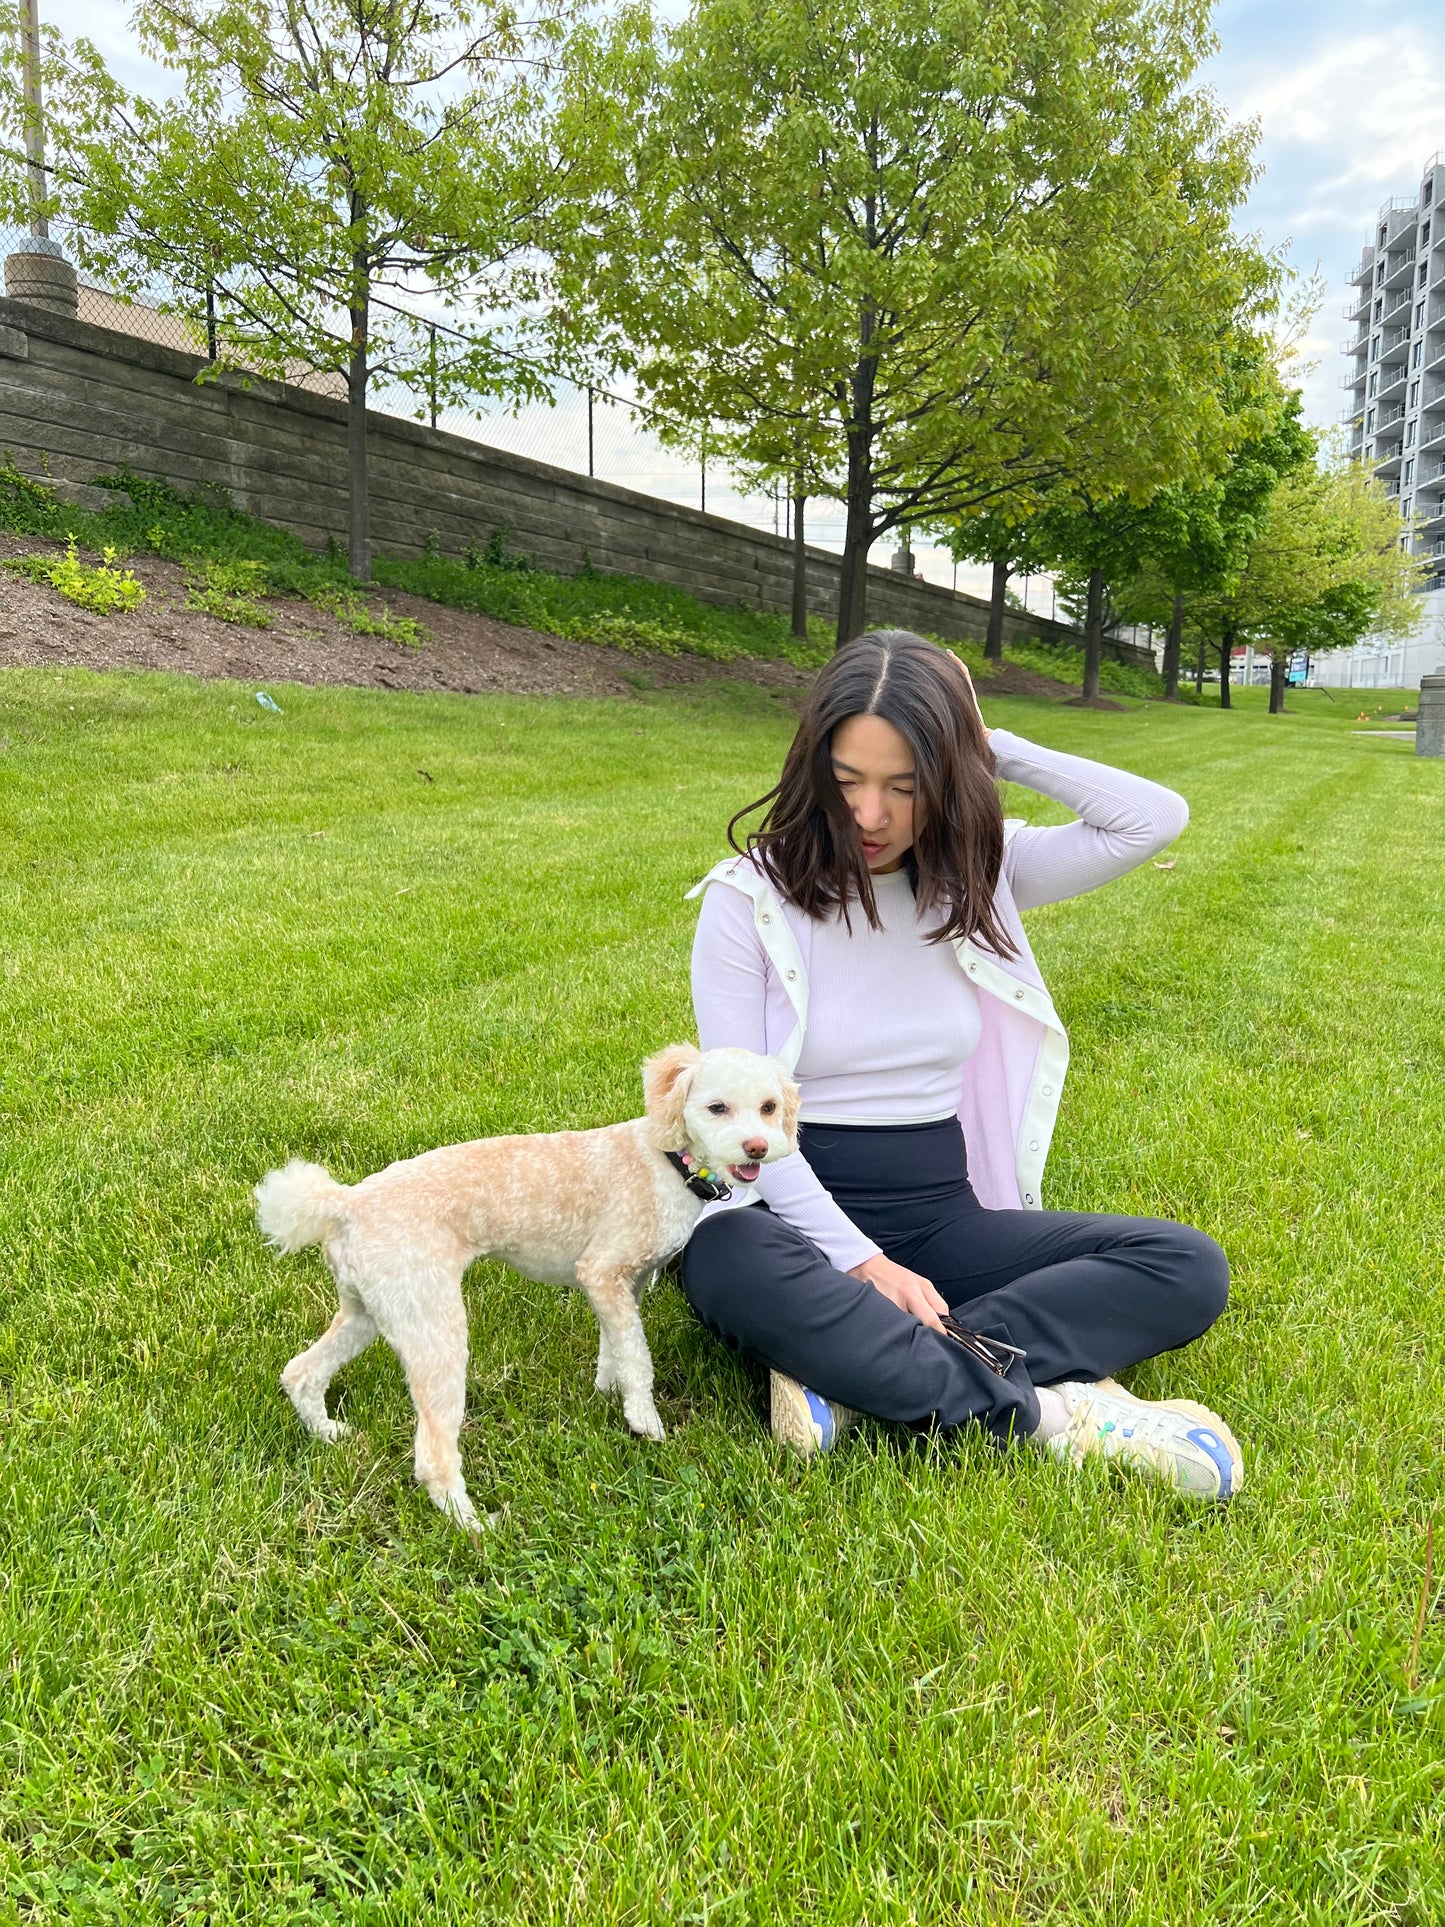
x=870, y=938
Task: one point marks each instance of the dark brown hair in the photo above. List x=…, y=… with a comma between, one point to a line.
x=808, y=842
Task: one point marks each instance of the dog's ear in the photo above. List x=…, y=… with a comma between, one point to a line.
x=792, y=1098
x=666, y=1079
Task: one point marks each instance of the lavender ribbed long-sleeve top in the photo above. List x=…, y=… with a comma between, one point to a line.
x=892, y=1019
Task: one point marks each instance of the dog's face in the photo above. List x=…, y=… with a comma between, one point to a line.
x=733, y=1110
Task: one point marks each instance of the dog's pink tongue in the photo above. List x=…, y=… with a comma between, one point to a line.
x=745, y=1173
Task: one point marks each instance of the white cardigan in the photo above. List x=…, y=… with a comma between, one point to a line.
x=1011, y=1084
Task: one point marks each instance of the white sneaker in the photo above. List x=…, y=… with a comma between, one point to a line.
x=805, y=1421
x=1191, y=1408
x=1180, y=1442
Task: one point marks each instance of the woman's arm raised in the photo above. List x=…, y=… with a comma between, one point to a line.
x=1123, y=820
x=729, y=997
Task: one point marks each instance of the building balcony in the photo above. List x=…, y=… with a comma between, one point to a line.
x=1394, y=343
x=1364, y=268
x=1358, y=307
x=1387, y=461
x=1398, y=311
x=1401, y=272
x=1356, y=380
x=1356, y=345
x=1433, y=394
x=1392, y=382
x=1432, y=435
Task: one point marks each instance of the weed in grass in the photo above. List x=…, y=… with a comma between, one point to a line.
x=101, y=587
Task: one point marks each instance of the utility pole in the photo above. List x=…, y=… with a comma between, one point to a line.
x=34, y=116
x=39, y=273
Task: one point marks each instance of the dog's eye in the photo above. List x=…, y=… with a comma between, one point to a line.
x=769, y=1107
x=718, y=1110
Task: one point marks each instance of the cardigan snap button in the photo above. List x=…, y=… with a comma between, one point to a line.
x=1028, y=1197
x=767, y=916
x=1018, y=996
x=1047, y=1089
x=1034, y=1145
x=791, y=975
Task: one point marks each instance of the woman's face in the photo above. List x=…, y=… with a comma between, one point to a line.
x=873, y=768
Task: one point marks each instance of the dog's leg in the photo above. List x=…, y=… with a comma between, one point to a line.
x=306, y=1378
x=609, y=1379
x=429, y=1336
x=611, y=1293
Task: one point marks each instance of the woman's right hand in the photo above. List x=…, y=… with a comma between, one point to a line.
x=904, y=1288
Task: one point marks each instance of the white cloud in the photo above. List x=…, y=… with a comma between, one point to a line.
x=1352, y=124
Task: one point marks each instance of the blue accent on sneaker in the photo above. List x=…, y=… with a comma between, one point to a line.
x=821, y=1413
x=1211, y=1443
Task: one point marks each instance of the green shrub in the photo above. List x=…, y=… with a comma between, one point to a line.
x=101, y=588
x=352, y=611
x=229, y=591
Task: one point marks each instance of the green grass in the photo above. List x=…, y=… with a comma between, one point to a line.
x=233, y=559
x=252, y=1679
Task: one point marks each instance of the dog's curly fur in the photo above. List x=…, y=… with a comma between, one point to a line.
x=599, y=1209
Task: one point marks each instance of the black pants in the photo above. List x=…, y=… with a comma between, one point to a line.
x=1083, y=1295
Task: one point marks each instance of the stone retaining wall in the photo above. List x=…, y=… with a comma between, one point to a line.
x=77, y=400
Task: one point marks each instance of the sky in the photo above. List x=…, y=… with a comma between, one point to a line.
x=1349, y=97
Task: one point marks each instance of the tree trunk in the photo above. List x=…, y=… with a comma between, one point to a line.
x=993, y=644
x=800, y=569
x=1199, y=670
x=1093, y=636
x=1226, y=656
x=859, y=532
x=358, y=546
x=1278, y=666
x=1173, y=646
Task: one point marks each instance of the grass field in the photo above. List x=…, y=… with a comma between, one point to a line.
x=250, y=1679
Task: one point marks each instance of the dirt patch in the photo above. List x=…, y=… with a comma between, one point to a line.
x=467, y=654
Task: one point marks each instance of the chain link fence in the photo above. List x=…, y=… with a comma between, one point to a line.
x=588, y=430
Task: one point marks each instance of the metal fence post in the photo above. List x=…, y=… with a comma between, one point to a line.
x=1430, y=730
x=590, y=398
x=431, y=371
x=210, y=320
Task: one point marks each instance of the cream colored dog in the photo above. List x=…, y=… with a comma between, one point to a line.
x=599, y=1209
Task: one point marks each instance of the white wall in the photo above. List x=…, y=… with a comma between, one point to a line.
x=1388, y=665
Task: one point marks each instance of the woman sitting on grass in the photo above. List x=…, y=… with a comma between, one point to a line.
x=870, y=938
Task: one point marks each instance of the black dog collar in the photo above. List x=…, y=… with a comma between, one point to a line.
x=701, y=1183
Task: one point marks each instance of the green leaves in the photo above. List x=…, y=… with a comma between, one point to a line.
x=925, y=258
x=312, y=158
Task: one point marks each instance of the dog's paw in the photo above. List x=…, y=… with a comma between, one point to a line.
x=644, y=1421
x=459, y=1509
x=606, y=1381
x=332, y=1430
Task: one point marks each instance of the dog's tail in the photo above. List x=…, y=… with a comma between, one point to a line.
x=297, y=1206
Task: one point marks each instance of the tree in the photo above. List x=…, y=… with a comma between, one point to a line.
x=316, y=153
x=1327, y=566
x=1191, y=542
x=935, y=255
x=1010, y=547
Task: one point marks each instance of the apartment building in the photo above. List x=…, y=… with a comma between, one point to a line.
x=1396, y=416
